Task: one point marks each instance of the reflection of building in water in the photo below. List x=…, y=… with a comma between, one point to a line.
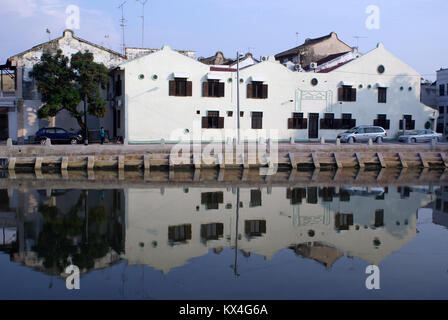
x=165, y=228
x=440, y=207
x=48, y=228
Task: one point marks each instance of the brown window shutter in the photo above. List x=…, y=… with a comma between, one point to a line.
x=290, y=123
x=203, y=230
x=265, y=91
x=219, y=229
x=341, y=94
x=304, y=123
x=353, y=94
x=171, y=233
x=204, y=122
x=263, y=226
x=189, y=88
x=250, y=89
x=247, y=227
x=220, y=122
x=205, y=89
x=172, y=88
x=188, y=231
x=221, y=89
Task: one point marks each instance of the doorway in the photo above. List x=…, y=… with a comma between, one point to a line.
x=313, y=126
x=4, y=130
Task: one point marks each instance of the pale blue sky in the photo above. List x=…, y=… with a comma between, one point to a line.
x=412, y=30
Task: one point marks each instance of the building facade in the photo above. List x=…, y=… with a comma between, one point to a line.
x=166, y=95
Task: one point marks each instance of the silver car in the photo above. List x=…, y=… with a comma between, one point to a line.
x=362, y=134
x=420, y=136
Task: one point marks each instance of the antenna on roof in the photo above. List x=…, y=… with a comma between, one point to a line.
x=143, y=2
x=49, y=34
x=357, y=40
x=297, y=38
x=123, y=25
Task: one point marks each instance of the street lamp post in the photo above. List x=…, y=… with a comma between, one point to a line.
x=238, y=94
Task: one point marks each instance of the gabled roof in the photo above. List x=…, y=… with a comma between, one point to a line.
x=55, y=41
x=217, y=59
x=334, y=67
x=308, y=42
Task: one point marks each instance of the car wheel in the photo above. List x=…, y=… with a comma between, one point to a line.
x=42, y=141
x=74, y=141
x=379, y=140
x=413, y=140
x=351, y=140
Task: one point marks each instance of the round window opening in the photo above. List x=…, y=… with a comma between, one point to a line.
x=401, y=88
x=311, y=233
x=369, y=86
x=154, y=77
x=410, y=88
x=241, y=80
x=314, y=82
x=361, y=86
x=229, y=80
x=141, y=76
x=381, y=69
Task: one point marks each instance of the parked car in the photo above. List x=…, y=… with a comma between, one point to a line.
x=57, y=135
x=420, y=136
x=363, y=133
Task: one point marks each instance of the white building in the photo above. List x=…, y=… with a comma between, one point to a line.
x=167, y=95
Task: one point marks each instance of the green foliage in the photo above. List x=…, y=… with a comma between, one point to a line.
x=65, y=83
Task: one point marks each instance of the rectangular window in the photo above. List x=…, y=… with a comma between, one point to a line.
x=410, y=124
x=211, y=200
x=441, y=90
x=180, y=233
x=441, y=110
x=255, y=198
x=180, y=87
x=213, y=88
x=347, y=93
x=343, y=221
x=257, y=120
x=382, y=121
x=297, y=121
x=118, y=87
x=118, y=119
x=212, y=231
x=379, y=218
x=296, y=195
x=328, y=121
x=212, y=121
x=347, y=121
x=255, y=228
x=257, y=90
x=382, y=95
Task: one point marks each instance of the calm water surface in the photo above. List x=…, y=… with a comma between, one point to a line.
x=225, y=243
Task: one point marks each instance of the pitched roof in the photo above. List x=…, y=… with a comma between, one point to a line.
x=334, y=67
x=308, y=42
x=54, y=41
x=217, y=59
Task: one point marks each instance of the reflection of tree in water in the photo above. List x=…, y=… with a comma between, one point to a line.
x=70, y=235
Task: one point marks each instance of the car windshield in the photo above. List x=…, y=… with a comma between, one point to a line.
x=352, y=130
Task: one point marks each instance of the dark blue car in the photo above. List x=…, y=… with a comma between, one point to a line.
x=57, y=135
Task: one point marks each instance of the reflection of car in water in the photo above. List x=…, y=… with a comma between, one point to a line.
x=424, y=189
x=364, y=191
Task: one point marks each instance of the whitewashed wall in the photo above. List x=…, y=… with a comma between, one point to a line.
x=152, y=114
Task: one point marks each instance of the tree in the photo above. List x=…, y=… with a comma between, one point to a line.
x=64, y=84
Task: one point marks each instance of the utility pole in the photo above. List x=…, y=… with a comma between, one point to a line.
x=357, y=40
x=123, y=25
x=143, y=2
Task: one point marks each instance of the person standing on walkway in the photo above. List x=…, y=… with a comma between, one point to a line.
x=102, y=135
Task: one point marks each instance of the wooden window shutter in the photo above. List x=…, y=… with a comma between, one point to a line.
x=353, y=94
x=204, y=231
x=263, y=226
x=189, y=89
x=387, y=126
x=250, y=89
x=188, y=232
x=290, y=123
x=341, y=94
x=204, y=122
x=205, y=89
x=221, y=89
x=220, y=122
x=172, y=88
x=247, y=227
x=265, y=91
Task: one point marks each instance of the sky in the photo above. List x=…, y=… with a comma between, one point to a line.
x=412, y=30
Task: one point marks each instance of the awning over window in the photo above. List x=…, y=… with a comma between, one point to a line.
x=381, y=85
x=346, y=83
x=257, y=78
x=181, y=75
x=214, y=76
